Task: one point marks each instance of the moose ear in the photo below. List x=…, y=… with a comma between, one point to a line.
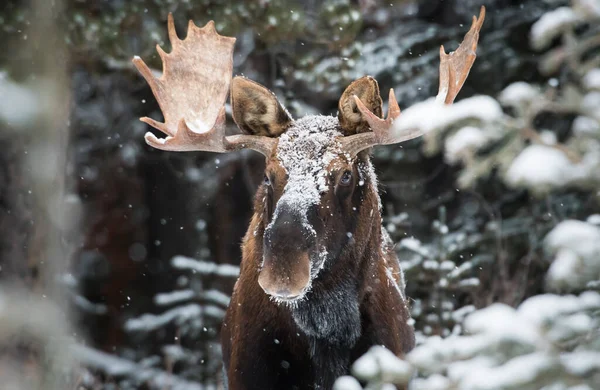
x=256, y=110
x=351, y=120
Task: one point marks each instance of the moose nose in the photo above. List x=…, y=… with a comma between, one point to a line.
x=283, y=293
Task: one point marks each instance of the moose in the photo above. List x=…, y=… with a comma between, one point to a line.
x=319, y=280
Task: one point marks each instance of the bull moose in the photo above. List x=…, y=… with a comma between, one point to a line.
x=320, y=282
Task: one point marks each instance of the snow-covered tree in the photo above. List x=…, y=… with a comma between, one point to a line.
x=540, y=138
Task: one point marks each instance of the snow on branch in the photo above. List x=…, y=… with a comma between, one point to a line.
x=552, y=24
x=178, y=315
x=541, y=343
x=205, y=267
x=117, y=367
x=430, y=115
x=576, y=249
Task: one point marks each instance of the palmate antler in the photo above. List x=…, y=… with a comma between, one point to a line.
x=192, y=92
x=454, y=69
x=195, y=82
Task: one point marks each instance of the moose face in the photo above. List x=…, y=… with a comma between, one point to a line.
x=312, y=187
x=309, y=206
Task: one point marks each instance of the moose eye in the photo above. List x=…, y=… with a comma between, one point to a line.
x=346, y=178
x=267, y=181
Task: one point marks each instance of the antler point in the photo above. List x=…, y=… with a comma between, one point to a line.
x=360, y=105
x=153, y=141
x=171, y=29
x=160, y=51
x=393, y=108
x=478, y=21
x=144, y=70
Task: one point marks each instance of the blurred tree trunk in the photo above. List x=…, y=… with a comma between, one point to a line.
x=38, y=217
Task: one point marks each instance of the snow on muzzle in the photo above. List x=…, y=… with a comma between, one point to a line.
x=289, y=242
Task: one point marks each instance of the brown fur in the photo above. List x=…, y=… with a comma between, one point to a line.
x=256, y=110
x=367, y=90
x=258, y=334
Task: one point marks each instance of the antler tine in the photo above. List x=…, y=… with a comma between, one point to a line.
x=185, y=140
x=380, y=127
x=173, y=38
x=454, y=69
x=380, y=134
x=191, y=93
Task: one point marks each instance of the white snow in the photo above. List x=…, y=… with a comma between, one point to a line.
x=518, y=93
x=581, y=363
x=514, y=374
x=594, y=219
x=431, y=356
x=586, y=126
x=464, y=368
x=550, y=25
x=545, y=308
x=347, y=383
x=305, y=152
x=459, y=315
x=464, y=142
x=542, y=168
x=216, y=296
x=20, y=105
x=433, y=382
x=511, y=348
x=592, y=78
x=114, y=366
x=430, y=115
x=590, y=104
x=379, y=363
x=88, y=306
x=588, y=8
x=576, y=246
x=170, y=298
x=205, y=267
x=564, y=272
x=502, y=321
x=414, y=245
x=581, y=237
x=151, y=322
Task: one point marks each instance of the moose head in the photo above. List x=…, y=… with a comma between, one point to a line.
x=318, y=175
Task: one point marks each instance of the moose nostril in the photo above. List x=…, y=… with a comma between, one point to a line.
x=281, y=293
x=285, y=294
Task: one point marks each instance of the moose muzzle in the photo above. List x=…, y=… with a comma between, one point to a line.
x=287, y=247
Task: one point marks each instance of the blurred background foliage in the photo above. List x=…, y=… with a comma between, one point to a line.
x=156, y=235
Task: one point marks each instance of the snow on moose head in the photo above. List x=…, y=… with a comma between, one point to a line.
x=319, y=189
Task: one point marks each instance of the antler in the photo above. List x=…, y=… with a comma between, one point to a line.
x=454, y=69
x=192, y=92
x=380, y=126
